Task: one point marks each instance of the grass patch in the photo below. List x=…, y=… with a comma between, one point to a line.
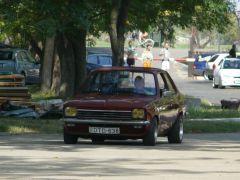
x=211, y=127
x=38, y=95
x=53, y=126
x=212, y=112
x=20, y=125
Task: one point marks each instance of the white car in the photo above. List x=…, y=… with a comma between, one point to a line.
x=227, y=73
x=213, y=63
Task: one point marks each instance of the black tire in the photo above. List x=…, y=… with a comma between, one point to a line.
x=205, y=76
x=210, y=77
x=214, y=85
x=151, y=137
x=70, y=139
x=175, y=135
x=97, y=140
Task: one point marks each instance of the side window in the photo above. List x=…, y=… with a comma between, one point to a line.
x=161, y=82
x=24, y=56
x=168, y=85
x=105, y=60
x=19, y=56
x=92, y=59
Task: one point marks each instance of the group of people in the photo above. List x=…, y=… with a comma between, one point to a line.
x=147, y=56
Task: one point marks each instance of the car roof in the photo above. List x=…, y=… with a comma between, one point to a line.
x=118, y=68
x=99, y=54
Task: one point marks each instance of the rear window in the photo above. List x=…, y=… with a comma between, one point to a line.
x=213, y=58
x=5, y=55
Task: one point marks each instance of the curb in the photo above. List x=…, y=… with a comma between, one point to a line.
x=217, y=119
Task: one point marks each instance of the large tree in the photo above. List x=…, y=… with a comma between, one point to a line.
x=65, y=24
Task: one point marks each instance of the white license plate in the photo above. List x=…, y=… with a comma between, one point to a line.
x=237, y=81
x=104, y=130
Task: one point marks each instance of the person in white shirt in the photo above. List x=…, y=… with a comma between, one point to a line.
x=166, y=56
x=147, y=56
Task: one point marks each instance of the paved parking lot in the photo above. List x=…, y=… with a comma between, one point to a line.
x=208, y=156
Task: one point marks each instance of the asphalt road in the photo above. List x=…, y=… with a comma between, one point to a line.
x=201, y=156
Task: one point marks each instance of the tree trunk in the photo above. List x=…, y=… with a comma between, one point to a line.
x=118, y=17
x=67, y=64
x=121, y=25
x=79, y=48
x=113, y=31
x=56, y=76
x=46, y=78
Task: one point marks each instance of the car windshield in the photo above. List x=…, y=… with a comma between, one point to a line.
x=231, y=64
x=5, y=55
x=121, y=82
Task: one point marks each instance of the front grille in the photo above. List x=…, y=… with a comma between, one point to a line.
x=104, y=115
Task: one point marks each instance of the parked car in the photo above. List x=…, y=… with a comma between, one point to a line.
x=213, y=62
x=199, y=64
x=98, y=59
x=227, y=73
x=19, y=61
x=125, y=103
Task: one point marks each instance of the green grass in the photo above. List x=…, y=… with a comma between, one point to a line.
x=20, y=125
x=52, y=126
x=211, y=127
x=214, y=112
x=37, y=94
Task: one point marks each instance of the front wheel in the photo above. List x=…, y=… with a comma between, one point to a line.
x=97, y=140
x=175, y=135
x=205, y=76
x=151, y=137
x=69, y=139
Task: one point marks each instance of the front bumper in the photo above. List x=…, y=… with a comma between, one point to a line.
x=128, y=129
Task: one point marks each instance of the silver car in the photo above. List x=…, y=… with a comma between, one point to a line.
x=19, y=61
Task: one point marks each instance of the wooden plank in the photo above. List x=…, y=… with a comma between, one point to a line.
x=11, y=84
x=15, y=94
x=15, y=98
x=12, y=76
x=13, y=90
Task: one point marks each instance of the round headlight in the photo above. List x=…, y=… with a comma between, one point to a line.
x=70, y=111
x=138, y=113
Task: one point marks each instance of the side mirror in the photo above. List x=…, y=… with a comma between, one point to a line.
x=167, y=93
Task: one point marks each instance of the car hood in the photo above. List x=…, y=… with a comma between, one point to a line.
x=110, y=102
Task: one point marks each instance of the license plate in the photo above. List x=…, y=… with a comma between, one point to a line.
x=104, y=130
x=237, y=81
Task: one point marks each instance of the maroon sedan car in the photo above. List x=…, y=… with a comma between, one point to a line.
x=125, y=103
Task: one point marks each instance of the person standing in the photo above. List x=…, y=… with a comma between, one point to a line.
x=232, y=51
x=147, y=56
x=165, y=60
x=130, y=54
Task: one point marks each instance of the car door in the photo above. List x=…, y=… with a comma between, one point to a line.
x=167, y=105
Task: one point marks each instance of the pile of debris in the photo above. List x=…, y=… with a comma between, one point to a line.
x=42, y=109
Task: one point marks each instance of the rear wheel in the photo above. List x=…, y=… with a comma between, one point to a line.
x=175, y=135
x=151, y=137
x=220, y=86
x=69, y=139
x=214, y=85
